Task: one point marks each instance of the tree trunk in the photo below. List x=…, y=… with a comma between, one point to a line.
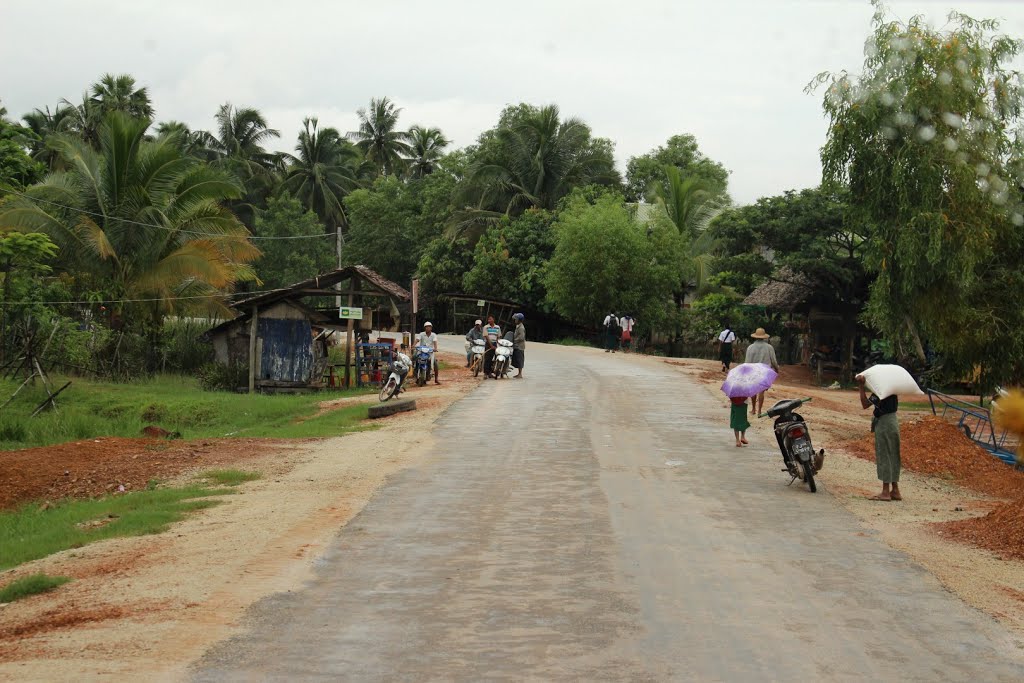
x=849, y=333
x=916, y=338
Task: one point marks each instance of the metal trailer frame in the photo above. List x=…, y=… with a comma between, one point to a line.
x=976, y=422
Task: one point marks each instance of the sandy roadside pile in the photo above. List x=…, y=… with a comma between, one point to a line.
x=933, y=503
x=146, y=607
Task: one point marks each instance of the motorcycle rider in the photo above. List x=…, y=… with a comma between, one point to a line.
x=407, y=362
x=428, y=338
x=493, y=334
x=476, y=332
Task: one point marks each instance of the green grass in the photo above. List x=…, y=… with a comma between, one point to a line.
x=90, y=409
x=33, y=584
x=572, y=341
x=35, y=531
x=230, y=477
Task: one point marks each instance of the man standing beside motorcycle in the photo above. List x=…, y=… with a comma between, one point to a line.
x=476, y=332
x=519, y=345
x=493, y=334
x=428, y=338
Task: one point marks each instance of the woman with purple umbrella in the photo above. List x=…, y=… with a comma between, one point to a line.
x=742, y=382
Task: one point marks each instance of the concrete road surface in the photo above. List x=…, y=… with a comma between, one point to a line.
x=595, y=522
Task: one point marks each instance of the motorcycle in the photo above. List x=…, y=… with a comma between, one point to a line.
x=392, y=385
x=795, y=442
x=502, y=362
x=424, y=365
x=479, y=348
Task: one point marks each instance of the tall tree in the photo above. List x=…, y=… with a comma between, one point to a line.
x=379, y=138
x=323, y=172
x=109, y=94
x=510, y=259
x=690, y=203
x=426, y=147
x=927, y=139
x=136, y=219
x=17, y=168
x=645, y=173
x=286, y=261
x=533, y=159
x=43, y=123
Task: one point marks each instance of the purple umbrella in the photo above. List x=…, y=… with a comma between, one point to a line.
x=748, y=379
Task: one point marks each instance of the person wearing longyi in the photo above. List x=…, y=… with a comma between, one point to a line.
x=886, y=428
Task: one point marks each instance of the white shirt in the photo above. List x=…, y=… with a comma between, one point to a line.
x=427, y=339
x=610, y=320
x=626, y=323
x=727, y=337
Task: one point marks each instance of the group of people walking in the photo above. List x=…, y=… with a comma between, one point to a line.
x=618, y=331
x=491, y=333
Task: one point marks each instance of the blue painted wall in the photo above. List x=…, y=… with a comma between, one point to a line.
x=287, y=349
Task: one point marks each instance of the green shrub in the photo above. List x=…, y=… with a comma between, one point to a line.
x=33, y=584
x=220, y=377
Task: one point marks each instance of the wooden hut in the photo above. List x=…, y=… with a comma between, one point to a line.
x=282, y=336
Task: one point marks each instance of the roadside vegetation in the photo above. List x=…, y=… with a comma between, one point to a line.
x=34, y=531
x=34, y=584
x=91, y=409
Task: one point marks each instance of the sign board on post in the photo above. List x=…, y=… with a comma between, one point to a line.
x=346, y=313
x=480, y=303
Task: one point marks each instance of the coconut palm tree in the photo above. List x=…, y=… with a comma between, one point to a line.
x=45, y=123
x=324, y=170
x=379, y=138
x=426, y=146
x=109, y=94
x=237, y=145
x=531, y=160
x=691, y=204
x=138, y=219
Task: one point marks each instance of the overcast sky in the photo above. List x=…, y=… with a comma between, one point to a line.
x=732, y=73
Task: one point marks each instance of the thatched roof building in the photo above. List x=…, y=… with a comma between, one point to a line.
x=786, y=292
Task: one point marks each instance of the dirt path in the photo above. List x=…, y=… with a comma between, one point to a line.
x=981, y=578
x=144, y=607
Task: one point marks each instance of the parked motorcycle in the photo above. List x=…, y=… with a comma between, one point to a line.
x=502, y=362
x=479, y=348
x=424, y=365
x=392, y=384
x=795, y=442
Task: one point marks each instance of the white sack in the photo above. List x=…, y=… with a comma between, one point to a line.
x=886, y=380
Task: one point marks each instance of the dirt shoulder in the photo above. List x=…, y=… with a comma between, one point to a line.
x=944, y=492
x=146, y=607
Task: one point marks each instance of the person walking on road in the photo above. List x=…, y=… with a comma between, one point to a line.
x=760, y=351
x=476, y=332
x=725, y=341
x=519, y=345
x=492, y=333
x=626, y=323
x=738, y=421
x=428, y=338
x=886, y=428
x=611, y=332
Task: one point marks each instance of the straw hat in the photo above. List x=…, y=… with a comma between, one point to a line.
x=760, y=334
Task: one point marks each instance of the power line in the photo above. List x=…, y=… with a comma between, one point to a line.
x=160, y=227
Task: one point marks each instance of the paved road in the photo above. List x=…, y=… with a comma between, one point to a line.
x=595, y=522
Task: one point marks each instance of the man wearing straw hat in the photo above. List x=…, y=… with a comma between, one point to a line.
x=760, y=351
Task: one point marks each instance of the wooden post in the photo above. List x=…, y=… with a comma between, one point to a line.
x=349, y=329
x=252, y=349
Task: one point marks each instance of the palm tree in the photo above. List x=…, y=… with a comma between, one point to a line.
x=691, y=204
x=118, y=93
x=45, y=123
x=190, y=142
x=323, y=172
x=532, y=160
x=141, y=220
x=378, y=136
x=426, y=147
x=237, y=145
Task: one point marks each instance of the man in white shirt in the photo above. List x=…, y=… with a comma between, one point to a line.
x=428, y=338
x=725, y=341
x=611, y=332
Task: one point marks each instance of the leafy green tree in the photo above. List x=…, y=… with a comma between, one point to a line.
x=805, y=234
x=288, y=261
x=323, y=172
x=379, y=138
x=510, y=258
x=645, y=172
x=442, y=266
x=17, y=168
x=136, y=219
x=43, y=123
x=606, y=260
x=532, y=159
x=23, y=256
x=926, y=140
x=385, y=231
x=426, y=147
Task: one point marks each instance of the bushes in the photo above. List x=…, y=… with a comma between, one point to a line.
x=219, y=377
